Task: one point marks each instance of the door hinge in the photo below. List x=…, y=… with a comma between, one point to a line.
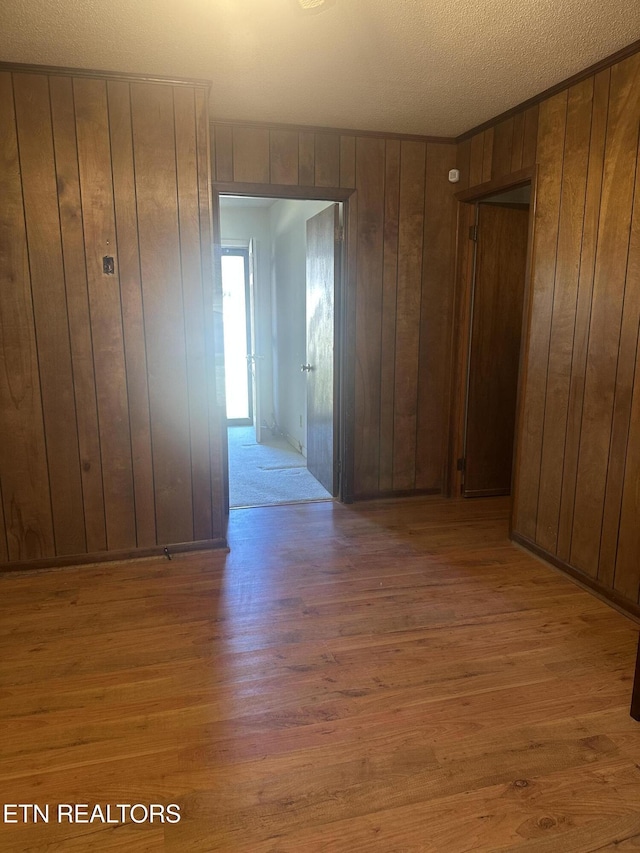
x=339, y=235
x=461, y=464
x=473, y=233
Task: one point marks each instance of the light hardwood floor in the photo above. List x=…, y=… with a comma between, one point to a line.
x=394, y=677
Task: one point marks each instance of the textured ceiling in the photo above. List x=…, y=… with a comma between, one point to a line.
x=413, y=66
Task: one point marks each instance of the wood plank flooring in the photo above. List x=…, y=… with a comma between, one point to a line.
x=393, y=676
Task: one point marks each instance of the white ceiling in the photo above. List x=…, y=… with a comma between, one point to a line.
x=434, y=67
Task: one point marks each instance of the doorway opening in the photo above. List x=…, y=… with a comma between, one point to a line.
x=281, y=262
x=497, y=275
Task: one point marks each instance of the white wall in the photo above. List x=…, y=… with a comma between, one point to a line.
x=288, y=291
x=243, y=224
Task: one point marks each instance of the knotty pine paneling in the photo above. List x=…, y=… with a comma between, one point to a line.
x=399, y=275
x=108, y=419
x=576, y=488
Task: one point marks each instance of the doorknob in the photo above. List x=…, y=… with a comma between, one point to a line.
x=305, y=368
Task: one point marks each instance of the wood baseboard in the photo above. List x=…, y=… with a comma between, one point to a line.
x=112, y=556
x=609, y=596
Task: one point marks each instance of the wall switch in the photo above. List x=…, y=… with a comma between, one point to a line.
x=108, y=265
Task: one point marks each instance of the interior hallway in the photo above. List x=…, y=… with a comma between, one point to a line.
x=389, y=676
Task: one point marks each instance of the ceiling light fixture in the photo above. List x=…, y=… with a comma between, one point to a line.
x=312, y=7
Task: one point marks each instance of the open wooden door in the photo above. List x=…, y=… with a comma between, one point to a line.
x=322, y=270
x=496, y=331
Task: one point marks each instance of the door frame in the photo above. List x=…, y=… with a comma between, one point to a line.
x=344, y=320
x=464, y=281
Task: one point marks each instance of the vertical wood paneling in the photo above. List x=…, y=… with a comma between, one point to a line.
x=583, y=309
x=410, y=241
x=251, y=154
x=502, y=148
x=551, y=147
x=224, y=152
x=132, y=309
x=77, y=297
x=370, y=175
x=283, y=152
x=160, y=256
x=194, y=308
x=487, y=153
x=37, y=163
x=608, y=295
x=347, y=161
x=627, y=575
x=530, y=136
x=24, y=481
x=389, y=296
x=106, y=311
x=306, y=158
x=572, y=203
x=463, y=162
x=212, y=314
x=327, y=160
x=517, y=141
x=435, y=322
x=475, y=159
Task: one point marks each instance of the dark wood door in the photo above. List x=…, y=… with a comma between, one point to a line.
x=496, y=331
x=322, y=259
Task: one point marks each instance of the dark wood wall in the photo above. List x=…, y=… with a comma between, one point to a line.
x=399, y=272
x=107, y=433
x=577, y=488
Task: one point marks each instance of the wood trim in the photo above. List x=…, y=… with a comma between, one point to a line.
x=342, y=131
x=284, y=191
x=607, y=62
x=113, y=556
x=505, y=182
x=609, y=596
x=58, y=70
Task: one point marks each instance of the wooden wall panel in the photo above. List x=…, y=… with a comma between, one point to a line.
x=401, y=236
x=87, y=465
x=572, y=201
x=96, y=186
x=576, y=489
x=283, y=154
x=370, y=176
x=132, y=309
x=606, y=313
x=408, y=307
x=160, y=264
x=251, y=154
x=547, y=217
x=37, y=164
x=436, y=308
x=24, y=475
x=389, y=314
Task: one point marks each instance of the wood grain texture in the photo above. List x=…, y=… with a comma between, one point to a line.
x=96, y=186
x=224, y=152
x=370, y=176
x=160, y=265
x=77, y=306
x=306, y=159
x=436, y=311
x=409, y=297
x=572, y=206
x=124, y=196
x=583, y=309
x=389, y=314
x=606, y=315
x=432, y=689
x=39, y=189
x=24, y=477
x=347, y=161
x=251, y=154
x=283, y=156
x=550, y=153
x=327, y=160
